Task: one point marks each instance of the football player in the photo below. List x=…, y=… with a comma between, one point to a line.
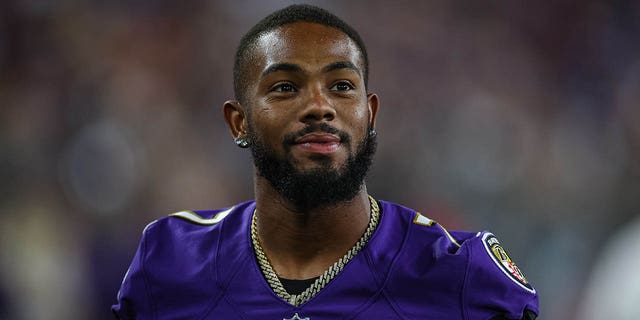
x=314, y=244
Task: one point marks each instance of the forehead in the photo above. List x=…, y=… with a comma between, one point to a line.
x=307, y=44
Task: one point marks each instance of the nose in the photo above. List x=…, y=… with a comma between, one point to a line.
x=318, y=107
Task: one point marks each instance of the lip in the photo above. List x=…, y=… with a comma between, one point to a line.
x=317, y=138
x=319, y=143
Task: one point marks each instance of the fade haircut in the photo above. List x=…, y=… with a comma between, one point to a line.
x=290, y=14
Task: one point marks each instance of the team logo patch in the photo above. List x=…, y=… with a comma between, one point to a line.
x=499, y=255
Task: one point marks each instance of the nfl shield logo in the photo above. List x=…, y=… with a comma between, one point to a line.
x=297, y=317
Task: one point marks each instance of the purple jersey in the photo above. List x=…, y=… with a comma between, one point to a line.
x=201, y=265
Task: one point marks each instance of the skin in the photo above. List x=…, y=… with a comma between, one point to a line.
x=303, y=73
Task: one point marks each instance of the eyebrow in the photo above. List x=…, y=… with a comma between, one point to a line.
x=292, y=67
x=281, y=67
x=341, y=65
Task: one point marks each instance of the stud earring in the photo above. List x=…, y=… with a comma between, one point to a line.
x=241, y=142
x=372, y=133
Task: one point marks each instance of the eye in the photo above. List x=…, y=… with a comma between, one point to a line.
x=342, y=86
x=284, y=87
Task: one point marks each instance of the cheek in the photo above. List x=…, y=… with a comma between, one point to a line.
x=358, y=120
x=269, y=125
x=363, y=116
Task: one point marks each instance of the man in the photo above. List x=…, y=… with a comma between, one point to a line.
x=314, y=245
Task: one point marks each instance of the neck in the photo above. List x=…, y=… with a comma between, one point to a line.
x=302, y=245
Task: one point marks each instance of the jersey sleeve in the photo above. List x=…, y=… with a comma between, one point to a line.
x=494, y=284
x=133, y=297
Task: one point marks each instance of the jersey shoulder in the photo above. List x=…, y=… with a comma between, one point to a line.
x=421, y=232
x=492, y=274
x=187, y=240
x=472, y=265
x=195, y=221
x=482, y=248
x=181, y=253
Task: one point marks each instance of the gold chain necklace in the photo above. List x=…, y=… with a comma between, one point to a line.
x=296, y=300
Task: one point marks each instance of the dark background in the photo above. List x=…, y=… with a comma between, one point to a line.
x=520, y=118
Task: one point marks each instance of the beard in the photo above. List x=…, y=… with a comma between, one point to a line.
x=324, y=186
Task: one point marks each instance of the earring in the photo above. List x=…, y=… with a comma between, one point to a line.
x=241, y=142
x=372, y=133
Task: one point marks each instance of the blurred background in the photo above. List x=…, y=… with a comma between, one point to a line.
x=520, y=118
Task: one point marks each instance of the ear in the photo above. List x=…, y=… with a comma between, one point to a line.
x=235, y=117
x=373, y=103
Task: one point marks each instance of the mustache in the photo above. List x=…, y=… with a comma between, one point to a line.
x=290, y=139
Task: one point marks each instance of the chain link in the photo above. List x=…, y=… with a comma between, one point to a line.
x=296, y=300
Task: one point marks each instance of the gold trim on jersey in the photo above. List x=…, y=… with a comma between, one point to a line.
x=451, y=238
x=196, y=218
x=148, y=225
x=419, y=219
x=422, y=220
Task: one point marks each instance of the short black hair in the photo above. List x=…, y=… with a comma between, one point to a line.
x=290, y=14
